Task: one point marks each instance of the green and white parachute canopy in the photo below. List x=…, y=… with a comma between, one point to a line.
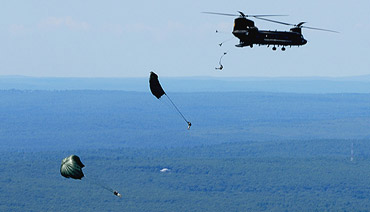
x=72, y=167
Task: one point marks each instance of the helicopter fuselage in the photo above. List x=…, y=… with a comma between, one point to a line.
x=248, y=34
x=249, y=37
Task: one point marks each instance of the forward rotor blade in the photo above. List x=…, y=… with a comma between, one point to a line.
x=227, y=14
x=278, y=22
x=257, y=16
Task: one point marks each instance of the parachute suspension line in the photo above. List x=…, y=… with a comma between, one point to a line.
x=101, y=185
x=176, y=108
x=166, y=102
x=189, y=124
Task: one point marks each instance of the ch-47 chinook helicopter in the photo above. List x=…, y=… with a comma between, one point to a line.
x=249, y=34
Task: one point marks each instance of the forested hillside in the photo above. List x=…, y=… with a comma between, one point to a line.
x=244, y=152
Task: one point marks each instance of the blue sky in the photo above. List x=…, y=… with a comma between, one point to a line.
x=173, y=38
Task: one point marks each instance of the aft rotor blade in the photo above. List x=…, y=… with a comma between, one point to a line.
x=295, y=25
x=327, y=30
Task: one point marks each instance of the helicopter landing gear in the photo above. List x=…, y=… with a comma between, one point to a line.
x=283, y=48
x=274, y=48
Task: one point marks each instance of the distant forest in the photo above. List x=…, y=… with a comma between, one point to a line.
x=246, y=151
x=288, y=176
x=94, y=119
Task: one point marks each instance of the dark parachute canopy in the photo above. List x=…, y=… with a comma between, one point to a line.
x=157, y=91
x=72, y=167
x=155, y=87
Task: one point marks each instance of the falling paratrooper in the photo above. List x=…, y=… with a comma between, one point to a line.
x=220, y=62
x=158, y=92
x=71, y=167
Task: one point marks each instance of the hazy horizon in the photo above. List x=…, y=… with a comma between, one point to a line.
x=355, y=84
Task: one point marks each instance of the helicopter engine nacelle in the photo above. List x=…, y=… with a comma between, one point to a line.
x=296, y=29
